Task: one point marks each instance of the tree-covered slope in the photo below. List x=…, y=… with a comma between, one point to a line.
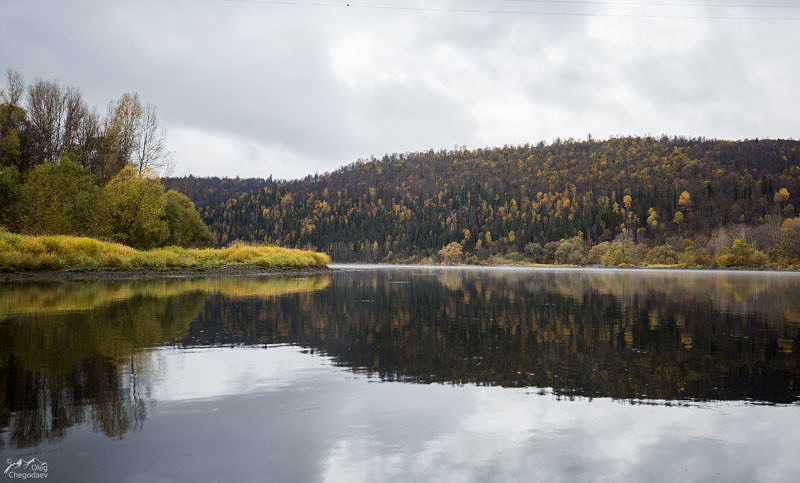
x=213, y=190
x=498, y=201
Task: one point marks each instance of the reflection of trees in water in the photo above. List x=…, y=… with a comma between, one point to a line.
x=52, y=298
x=63, y=370
x=662, y=336
x=770, y=294
x=44, y=409
x=654, y=338
x=82, y=357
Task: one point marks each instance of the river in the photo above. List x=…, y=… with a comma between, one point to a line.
x=380, y=373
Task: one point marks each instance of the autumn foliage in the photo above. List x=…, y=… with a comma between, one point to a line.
x=65, y=170
x=623, y=201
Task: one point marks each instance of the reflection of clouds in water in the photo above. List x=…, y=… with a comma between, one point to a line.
x=224, y=371
x=279, y=413
x=502, y=434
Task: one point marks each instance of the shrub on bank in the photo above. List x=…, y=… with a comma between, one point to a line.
x=62, y=198
x=740, y=254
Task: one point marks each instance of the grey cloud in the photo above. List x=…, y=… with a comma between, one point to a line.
x=413, y=80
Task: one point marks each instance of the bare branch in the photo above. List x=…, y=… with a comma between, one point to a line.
x=151, y=152
x=46, y=109
x=75, y=111
x=15, y=89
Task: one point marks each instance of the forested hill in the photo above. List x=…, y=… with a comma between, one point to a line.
x=672, y=192
x=214, y=191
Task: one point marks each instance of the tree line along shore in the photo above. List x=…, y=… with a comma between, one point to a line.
x=67, y=170
x=635, y=201
x=81, y=191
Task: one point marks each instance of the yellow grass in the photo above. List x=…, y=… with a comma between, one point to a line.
x=21, y=253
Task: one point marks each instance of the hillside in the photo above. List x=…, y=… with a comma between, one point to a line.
x=514, y=202
x=213, y=190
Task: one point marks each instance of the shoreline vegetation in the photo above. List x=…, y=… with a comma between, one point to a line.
x=624, y=201
x=508, y=264
x=80, y=193
x=67, y=171
x=575, y=252
x=28, y=253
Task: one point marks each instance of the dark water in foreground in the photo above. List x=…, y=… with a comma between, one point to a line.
x=405, y=373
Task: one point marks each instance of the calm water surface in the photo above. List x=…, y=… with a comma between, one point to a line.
x=381, y=373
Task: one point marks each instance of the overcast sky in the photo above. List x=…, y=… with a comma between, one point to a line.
x=291, y=88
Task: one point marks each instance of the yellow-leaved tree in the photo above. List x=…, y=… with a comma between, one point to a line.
x=138, y=209
x=685, y=200
x=61, y=198
x=452, y=253
x=790, y=240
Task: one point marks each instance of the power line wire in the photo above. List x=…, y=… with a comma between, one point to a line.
x=304, y=3
x=655, y=4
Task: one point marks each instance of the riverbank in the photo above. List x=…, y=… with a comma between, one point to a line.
x=215, y=272
x=25, y=257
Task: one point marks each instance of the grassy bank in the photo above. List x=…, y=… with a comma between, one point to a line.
x=22, y=253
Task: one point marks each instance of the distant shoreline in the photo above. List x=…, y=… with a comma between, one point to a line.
x=356, y=265
x=214, y=272
x=254, y=271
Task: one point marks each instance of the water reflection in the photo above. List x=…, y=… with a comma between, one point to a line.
x=49, y=298
x=625, y=335
x=305, y=420
x=73, y=353
x=78, y=353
